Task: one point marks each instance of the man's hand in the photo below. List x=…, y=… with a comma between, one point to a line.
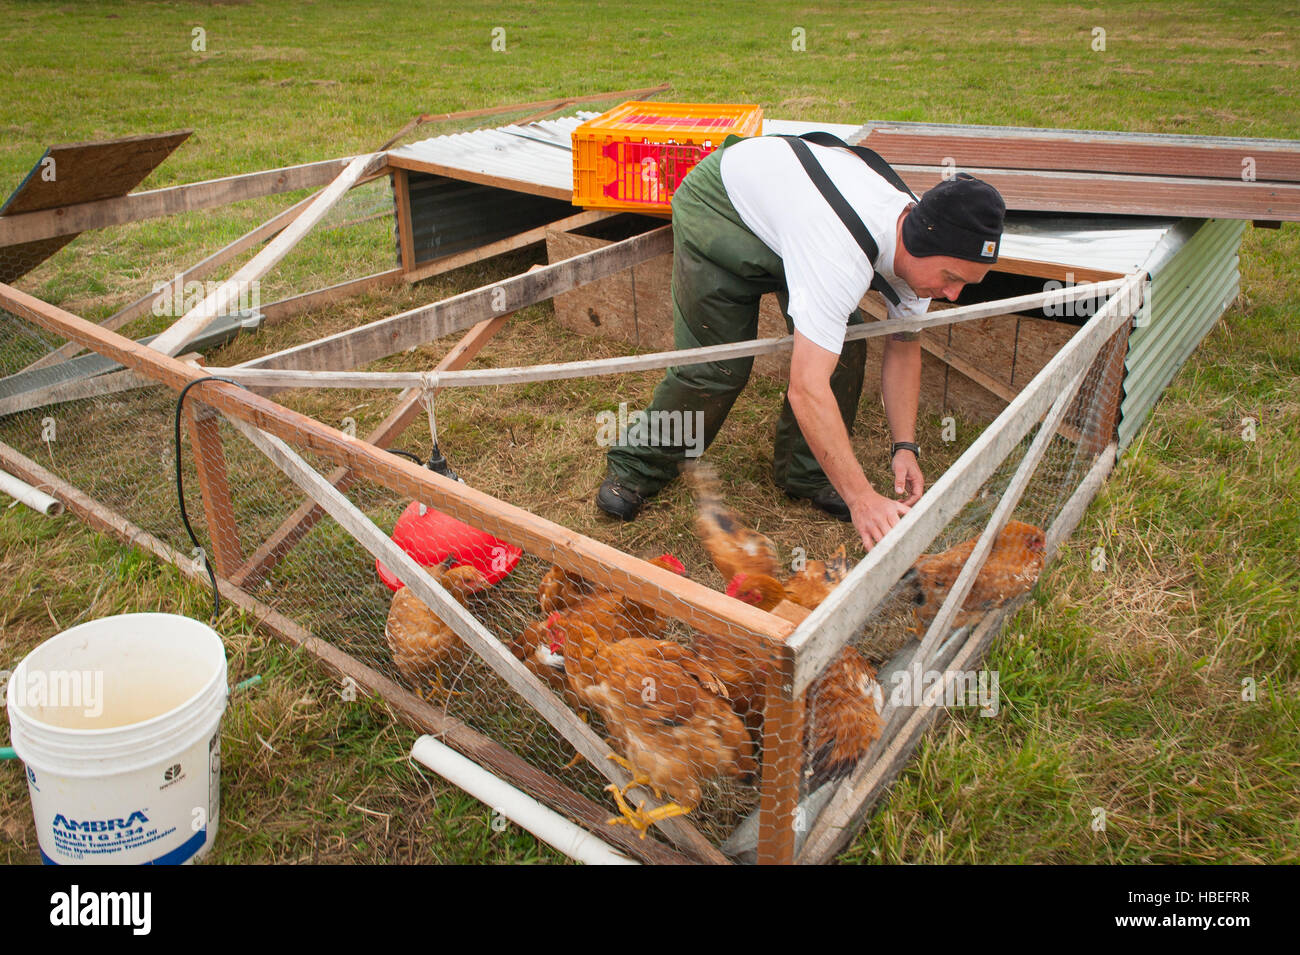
x=873, y=516
x=907, y=476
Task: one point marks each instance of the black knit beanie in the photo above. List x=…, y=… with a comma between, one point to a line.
x=961, y=217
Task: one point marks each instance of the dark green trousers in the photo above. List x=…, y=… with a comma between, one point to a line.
x=720, y=271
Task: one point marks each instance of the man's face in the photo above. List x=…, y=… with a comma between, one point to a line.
x=942, y=276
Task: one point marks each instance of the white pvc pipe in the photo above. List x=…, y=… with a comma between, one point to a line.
x=518, y=807
x=36, y=500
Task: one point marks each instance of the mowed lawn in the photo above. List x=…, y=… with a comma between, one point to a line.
x=1124, y=689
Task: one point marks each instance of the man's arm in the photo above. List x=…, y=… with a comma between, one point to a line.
x=900, y=388
x=818, y=415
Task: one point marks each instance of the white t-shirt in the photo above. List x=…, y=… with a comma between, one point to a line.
x=826, y=271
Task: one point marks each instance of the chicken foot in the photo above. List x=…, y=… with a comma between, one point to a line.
x=638, y=818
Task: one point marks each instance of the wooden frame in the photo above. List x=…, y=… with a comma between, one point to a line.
x=788, y=648
x=409, y=708
x=30, y=226
x=796, y=645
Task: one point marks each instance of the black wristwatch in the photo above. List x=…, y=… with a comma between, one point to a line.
x=905, y=446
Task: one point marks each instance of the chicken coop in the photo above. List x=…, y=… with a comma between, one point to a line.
x=1119, y=256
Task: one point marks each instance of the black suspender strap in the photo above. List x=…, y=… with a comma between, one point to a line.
x=869, y=156
x=861, y=234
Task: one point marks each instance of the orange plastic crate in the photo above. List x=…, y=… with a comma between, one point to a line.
x=634, y=156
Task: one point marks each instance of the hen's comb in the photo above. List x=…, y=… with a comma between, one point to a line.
x=672, y=563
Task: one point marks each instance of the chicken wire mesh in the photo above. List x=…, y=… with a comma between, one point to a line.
x=683, y=703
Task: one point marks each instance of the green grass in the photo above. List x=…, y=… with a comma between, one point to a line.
x=1122, y=689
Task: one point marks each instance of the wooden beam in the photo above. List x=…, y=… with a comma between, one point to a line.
x=398, y=161
x=359, y=346
x=66, y=220
x=696, y=605
x=960, y=365
x=834, y=622
x=1054, y=270
x=782, y=772
x=402, y=213
x=214, y=485
x=1061, y=192
x=275, y=377
x=466, y=626
x=297, y=304
x=407, y=707
x=196, y=319
x=1086, y=151
x=143, y=304
x=409, y=404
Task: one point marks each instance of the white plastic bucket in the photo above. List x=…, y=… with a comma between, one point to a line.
x=119, y=724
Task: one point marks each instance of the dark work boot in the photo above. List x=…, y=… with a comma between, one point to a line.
x=827, y=499
x=618, y=500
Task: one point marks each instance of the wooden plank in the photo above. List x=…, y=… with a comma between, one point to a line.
x=466, y=626
x=1054, y=270
x=833, y=623
x=265, y=374
x=196, y=319
x=398, y=161
x=78, y=173
x=69, y=220
x=197, y=271
x=691, y=602
x=84, y=172
x=402, y=212
x=1035, y=191
x=359, y=346
x=546, y=106
x=408, y=708
x=783, y=728
x=214, y=485
x=1084, y=151
x=409, y=404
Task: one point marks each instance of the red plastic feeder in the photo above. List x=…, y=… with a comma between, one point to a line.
x=431, y=536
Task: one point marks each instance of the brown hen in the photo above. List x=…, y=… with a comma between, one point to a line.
x=421, y=643
x=666, y=711
x=1012, y=568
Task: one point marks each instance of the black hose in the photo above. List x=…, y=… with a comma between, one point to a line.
x=180, y=491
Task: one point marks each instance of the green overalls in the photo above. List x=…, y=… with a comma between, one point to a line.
x=720, y=271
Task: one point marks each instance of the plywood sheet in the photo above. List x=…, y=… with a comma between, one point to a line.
x=75, y=173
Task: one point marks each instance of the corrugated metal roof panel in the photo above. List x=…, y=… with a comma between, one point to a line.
x=1114, y=244
x=1194, y=280
x=538, y=153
